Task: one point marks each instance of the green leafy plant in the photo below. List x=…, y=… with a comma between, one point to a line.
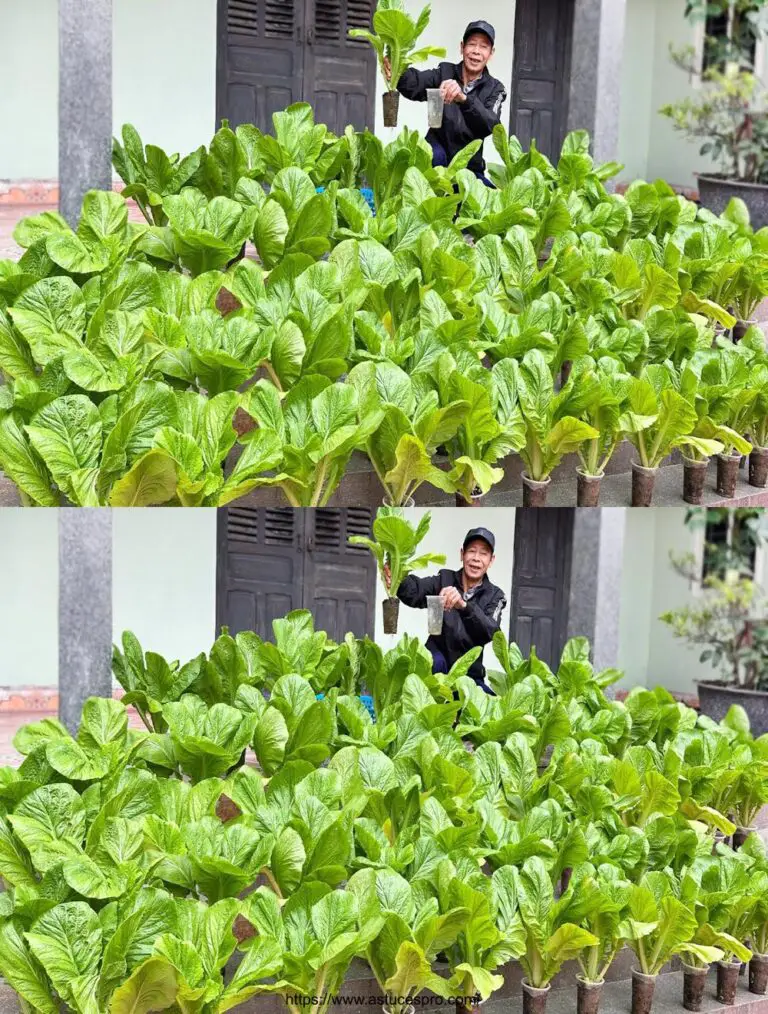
x=394, y=544
x=394, y=37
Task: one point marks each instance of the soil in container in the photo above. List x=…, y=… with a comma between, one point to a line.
x=694, y=476
x=758, y=467
x=475, y=500
x=643, y=987
x=740, y=835
x=727, y=474
x=391, y=103
x=588, y=996
x=758, y=974
x=535, y=493
x=587, y=489
x=391, y=609
x=643, y=481
x=226, y=302
x=694, y=981
x=727, y=981
x=740, y=328
x=534, y=1000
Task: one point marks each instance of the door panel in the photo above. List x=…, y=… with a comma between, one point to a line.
x=540, y=77
x=259, y=567
x=271, y=561
x=340, y=580
x=340, y=73
x=260, y=60
x=541, y=581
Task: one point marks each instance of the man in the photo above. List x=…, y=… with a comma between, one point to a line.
x=473, y=606
x=473, y=99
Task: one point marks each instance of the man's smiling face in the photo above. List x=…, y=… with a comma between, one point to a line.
x=476, y=558
x=476, y=51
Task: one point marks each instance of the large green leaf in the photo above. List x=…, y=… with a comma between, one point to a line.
x=150, y=481
x=151, y=987
x=67, y=436
x=51, y=316
x=67, y=943
x=22, y=970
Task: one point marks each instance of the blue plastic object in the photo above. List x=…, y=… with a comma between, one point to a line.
x=365, y=698
x=365, y=191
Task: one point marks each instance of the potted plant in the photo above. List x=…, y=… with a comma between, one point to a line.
x=597, y=902
x=394, y=545
x=754, y=848
x=602, y=388
x=550, y=431
x=725, y=113
x=546, y=938
x=394, y=37
x=658, y=925
x=730, y=399
x=657, y=420
x=402, y=448
x=727, y=621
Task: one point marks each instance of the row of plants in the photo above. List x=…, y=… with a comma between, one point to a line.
x=453, y=833
x=439, y=334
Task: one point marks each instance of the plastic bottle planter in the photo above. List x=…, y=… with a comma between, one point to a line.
x=643, y=481
x=534, y=1000
x=758, y=467
x=588, y=996
x=694, y=476
x=391, y=610
x=391, y=103
x=727, y=474
x=587, y=489
x=758, y=974
x=535, y=493
x=694, y=981
x=643, y=987
x=727, y=981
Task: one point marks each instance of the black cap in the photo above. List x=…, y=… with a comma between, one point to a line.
x=480, y=533
x=481, y=26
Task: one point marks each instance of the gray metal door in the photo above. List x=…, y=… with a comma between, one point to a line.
x=541, y=580
x=273, y=560
x=272, y=53
x=541, y=73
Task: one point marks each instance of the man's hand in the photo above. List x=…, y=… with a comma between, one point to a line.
x=452, y=92
x=387, y=68
x=452, y=599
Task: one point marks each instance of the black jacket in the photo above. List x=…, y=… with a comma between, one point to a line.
x=462, y=628
x=463, y=122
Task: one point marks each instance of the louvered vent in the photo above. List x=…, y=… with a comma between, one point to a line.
x=279, y=19
x=243, y=524
x=243, y=17
x=278, y=526
x=328, y=529
x=359, y=521
x=328, y=20
x=359, y=15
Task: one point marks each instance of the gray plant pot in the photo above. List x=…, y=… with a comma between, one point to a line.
x=716, y=698
x=715, y=193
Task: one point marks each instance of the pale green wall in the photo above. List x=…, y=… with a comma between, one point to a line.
x=29, y=68
x=636, y=594
x=164, y=66
x=648, y=145
x=446, y=535
x=29, y=578
x=164, y=579
x=636, y=96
